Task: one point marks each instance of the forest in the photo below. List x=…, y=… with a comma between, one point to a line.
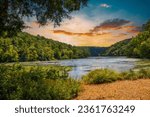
x=118, y=49
x=25, y=47
x=138, y=47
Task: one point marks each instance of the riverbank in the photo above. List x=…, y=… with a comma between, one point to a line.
x=50, y=82
x=120, y=90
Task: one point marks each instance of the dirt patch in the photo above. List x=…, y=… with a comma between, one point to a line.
x=120, y=90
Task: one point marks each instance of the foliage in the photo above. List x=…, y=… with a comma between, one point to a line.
x=138, y=46
x=12, y=12
x=146, y=27
x=142, y=64
x=100, y=76
x=133, y=75
x=118, y=49
x=25, y=83
x=96, y=51
x=63, y=89
x=105, y=76
x=25, y=47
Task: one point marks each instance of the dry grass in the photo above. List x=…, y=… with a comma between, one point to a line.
x=120, y=90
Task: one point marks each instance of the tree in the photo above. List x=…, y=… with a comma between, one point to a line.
x=12, y=12
x=32, y=54
x=11, y=54
x=145, y=49
x=146, y=27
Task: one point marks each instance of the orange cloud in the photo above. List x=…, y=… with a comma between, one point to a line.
x=135, y=30
x=82, y=32
x=112, y=24
x=77, y=34
x=121, y=35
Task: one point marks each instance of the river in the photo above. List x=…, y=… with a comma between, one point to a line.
x=83, y=66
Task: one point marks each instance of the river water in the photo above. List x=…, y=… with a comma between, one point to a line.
x=83, y=66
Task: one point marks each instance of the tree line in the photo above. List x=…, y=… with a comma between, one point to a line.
x=25, y=47
x=138, y=46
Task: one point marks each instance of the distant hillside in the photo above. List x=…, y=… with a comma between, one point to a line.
x=26, y=47
x=138, y=46
x=95, y=51
x=118, y=49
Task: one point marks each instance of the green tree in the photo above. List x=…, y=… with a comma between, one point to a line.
x=145, y=49
x=138, y=46
x=25, y=47
x=146, y=27
x=32, y=54
x=11, y=55
x=12, y=12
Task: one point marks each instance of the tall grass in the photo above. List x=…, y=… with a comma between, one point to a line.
x=105, y=76
x=36, y=83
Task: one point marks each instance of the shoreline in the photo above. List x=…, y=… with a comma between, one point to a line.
x=119, y=90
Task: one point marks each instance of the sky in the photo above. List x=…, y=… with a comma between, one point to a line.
x=102, y=23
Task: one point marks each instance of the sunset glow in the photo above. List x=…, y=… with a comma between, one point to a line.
x=99, y=24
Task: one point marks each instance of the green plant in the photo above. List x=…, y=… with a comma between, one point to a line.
x=105, y=76
x=101, y=76
x=35, y=83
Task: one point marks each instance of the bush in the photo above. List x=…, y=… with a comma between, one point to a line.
x=35, y=83
x=134, y=75
x=105, y=76
x=101, y=76
x=63, y=89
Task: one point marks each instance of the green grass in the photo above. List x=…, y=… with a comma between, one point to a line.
x=100, y=76
x=19, y=82
x=142, y=64
x=134, y=75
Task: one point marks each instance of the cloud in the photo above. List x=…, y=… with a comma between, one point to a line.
x=135, y=30
x=78, y=24
x=127, y=27
x=81, y=31
x=121, y=35
x=105, y=5
x=110, y=24
x=78, y=34
x=71, y=34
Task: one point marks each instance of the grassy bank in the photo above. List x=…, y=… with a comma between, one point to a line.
x=100, y=76
x=142, y=64
x=36, y=82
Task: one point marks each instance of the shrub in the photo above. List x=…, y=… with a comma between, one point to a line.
x=35, y=83
x=63, y=89
x=101, y=76
x=105, y=76
x=133, y=75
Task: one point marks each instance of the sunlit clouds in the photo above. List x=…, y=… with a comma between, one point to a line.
x=111, y=24
x=101, y=23
x=81, y=31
